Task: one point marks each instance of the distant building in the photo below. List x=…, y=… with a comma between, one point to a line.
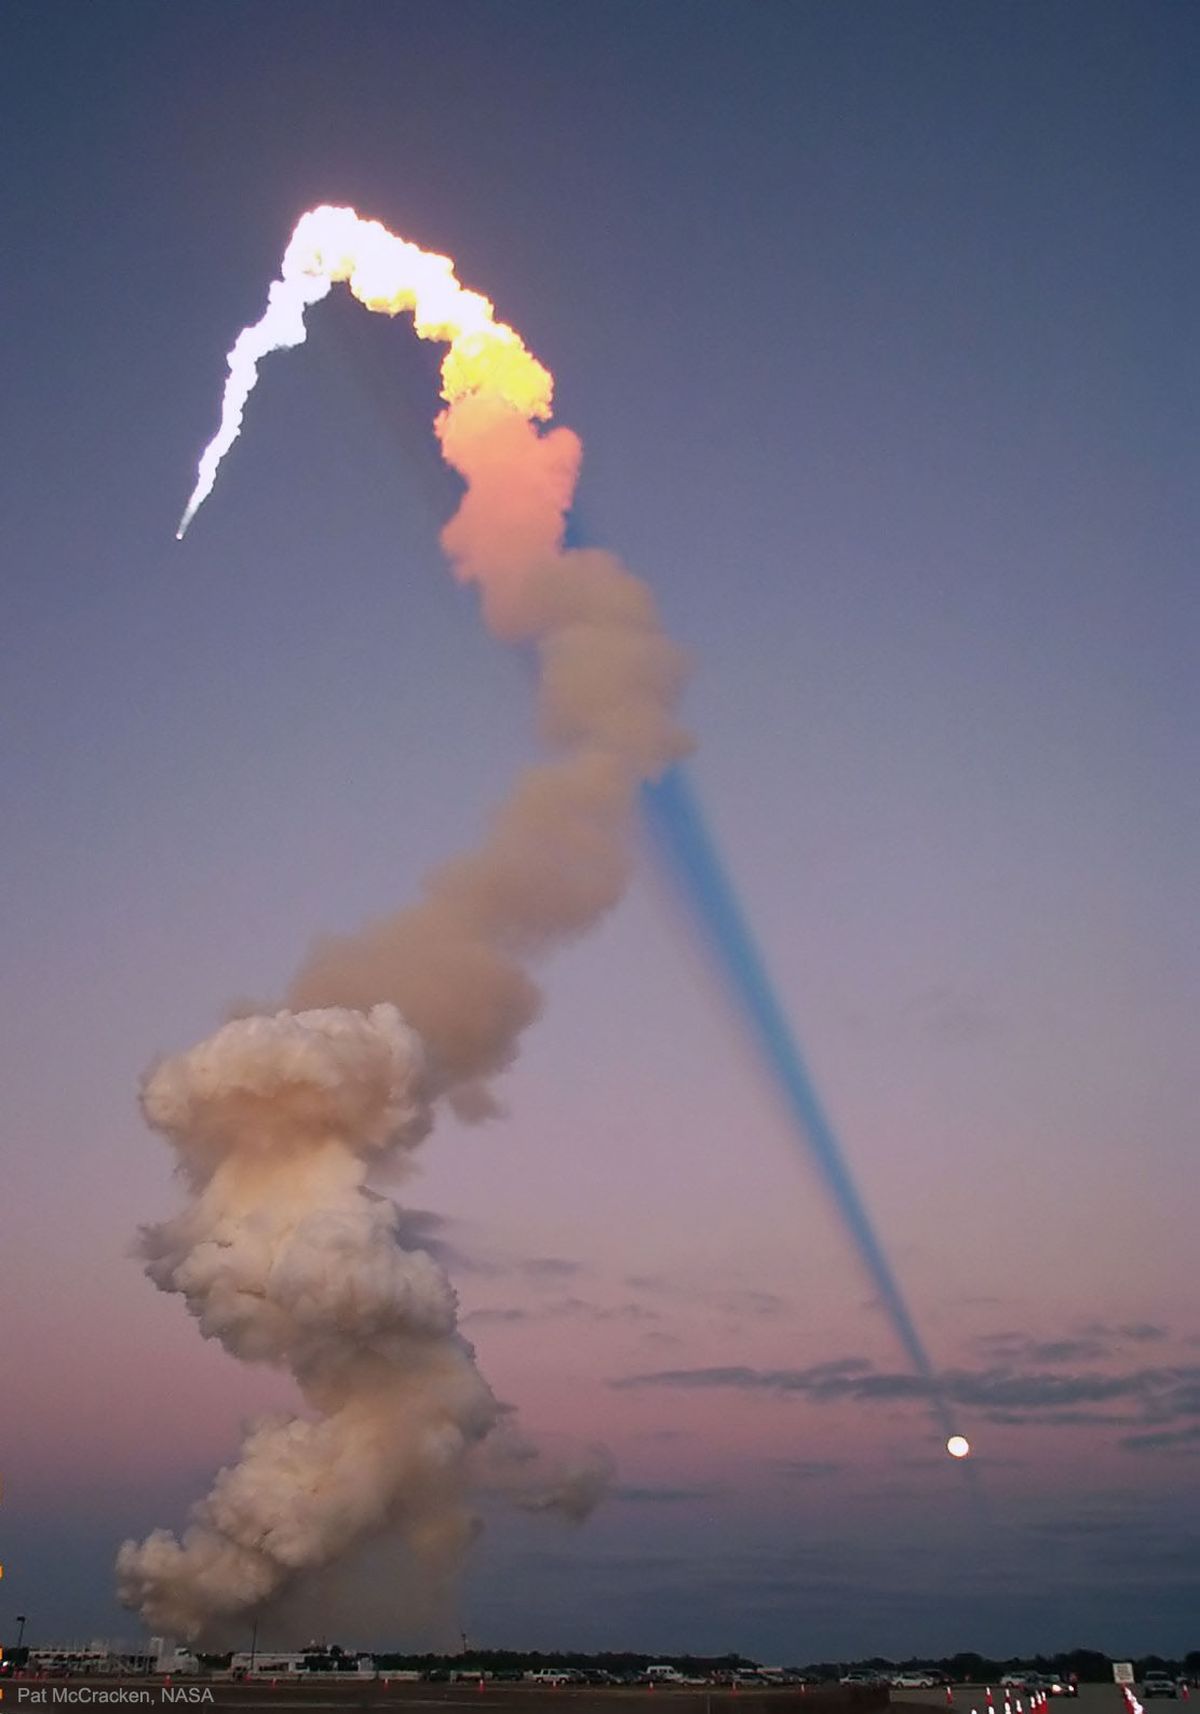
x=274, y=1663
x=270, y=1661
x=80, y=1660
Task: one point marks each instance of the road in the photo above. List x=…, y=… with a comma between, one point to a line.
x=381, y=1696
x=972, y=1699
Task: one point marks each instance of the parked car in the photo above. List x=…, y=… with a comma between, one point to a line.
x=1158, y=1684
x=913, y=1681
x=1016, y=1680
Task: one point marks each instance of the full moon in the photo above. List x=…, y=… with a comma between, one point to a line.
x=958, y=1446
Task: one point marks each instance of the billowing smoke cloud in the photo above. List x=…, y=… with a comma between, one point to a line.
x=284, y=1253
x=533, y=1477
x=285, y=1257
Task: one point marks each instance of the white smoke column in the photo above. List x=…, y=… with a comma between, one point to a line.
x=285, y=1257
x=284, y=1254
x=281, y=325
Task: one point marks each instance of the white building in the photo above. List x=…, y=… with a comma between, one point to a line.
x=276, y=1663
x=77, y=1660
x=269, y=1661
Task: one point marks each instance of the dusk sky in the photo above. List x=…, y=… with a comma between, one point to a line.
x=878, y=324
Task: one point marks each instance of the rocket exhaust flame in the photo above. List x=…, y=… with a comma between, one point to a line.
x=387, y=274
x=283, y=1253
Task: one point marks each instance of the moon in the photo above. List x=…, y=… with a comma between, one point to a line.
x=958, y=1446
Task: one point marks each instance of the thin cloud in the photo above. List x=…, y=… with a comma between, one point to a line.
x=1165, y=1440
x=585, y=1310
x=664, y=1496
x=807, y=1469
x=1020, y=1348
x=549, y=1268
x=1061, y=1418
x=1161, y=1395
x=753, y=1303
x=570, y=1307
x=1139, y=1332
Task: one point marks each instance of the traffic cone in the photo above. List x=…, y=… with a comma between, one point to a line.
x=988, y=1693
x=949, y=1696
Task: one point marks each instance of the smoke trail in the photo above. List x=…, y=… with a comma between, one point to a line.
x=283, y=1252
x=387, y=274
x=675, y=817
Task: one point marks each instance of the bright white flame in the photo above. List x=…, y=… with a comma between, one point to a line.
x=386, y=274
x=958, y=1446
x=280, y=326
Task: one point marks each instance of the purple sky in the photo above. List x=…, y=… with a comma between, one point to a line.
x=873, y=321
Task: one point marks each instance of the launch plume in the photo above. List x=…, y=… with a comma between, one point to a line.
x=388, y=274
x=284, y=1253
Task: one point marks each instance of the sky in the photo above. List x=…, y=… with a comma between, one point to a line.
x=878, y=326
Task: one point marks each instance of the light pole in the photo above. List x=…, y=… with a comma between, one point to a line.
x=20, y=1629
x=253, y=1645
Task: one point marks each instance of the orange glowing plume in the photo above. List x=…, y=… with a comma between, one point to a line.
x=386, y=274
